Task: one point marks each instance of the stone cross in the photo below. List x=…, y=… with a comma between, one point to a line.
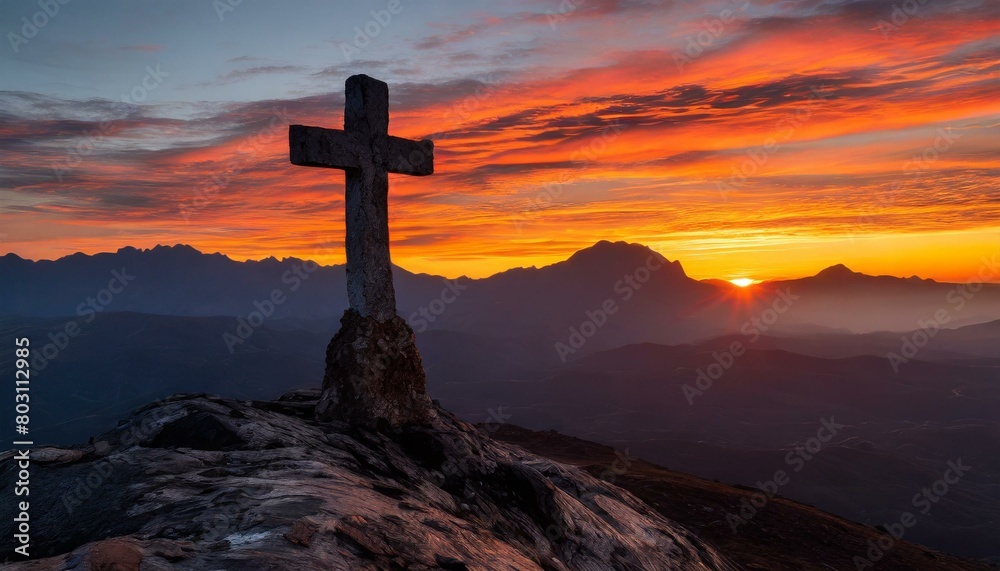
x=366, y=151
x=374, y=374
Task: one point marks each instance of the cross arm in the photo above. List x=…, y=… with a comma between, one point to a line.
x=319, y=147
x=410, y=157
x=333, y=148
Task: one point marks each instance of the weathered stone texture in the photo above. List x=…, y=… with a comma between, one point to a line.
x=374, y=374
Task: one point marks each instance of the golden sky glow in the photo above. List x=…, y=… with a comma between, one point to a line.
x=799, y=137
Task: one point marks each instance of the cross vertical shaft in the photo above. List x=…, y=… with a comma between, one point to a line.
x=369, y=268
x=367, y=153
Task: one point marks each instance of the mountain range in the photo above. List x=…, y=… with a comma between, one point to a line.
x=653, y=300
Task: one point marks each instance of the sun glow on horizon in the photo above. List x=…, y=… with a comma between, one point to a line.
x=742, y=282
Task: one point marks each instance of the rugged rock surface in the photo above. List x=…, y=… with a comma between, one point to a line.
x=199, y=482
x=784, y=535
x=374, y=374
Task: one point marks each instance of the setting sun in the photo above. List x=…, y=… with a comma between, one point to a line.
x=742, y=282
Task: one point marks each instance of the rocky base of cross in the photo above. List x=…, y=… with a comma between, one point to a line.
x=374, y=375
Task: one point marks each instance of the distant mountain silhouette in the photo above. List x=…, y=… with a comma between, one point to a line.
x=646, y=294
x=651, y=298
x=180, y=280
x=837, y=272
x=841, y=299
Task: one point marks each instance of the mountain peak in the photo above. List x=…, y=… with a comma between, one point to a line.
x=161, y=249
x=839, y=271
x=619, y=246
x=176, y=249
x=605, y=252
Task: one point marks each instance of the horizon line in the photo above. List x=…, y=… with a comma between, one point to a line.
x=756, y=281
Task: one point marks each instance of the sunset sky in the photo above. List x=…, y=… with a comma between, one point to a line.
x=760, y=139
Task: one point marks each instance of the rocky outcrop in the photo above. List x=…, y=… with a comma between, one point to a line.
x=198, y=482
x=374, y=374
